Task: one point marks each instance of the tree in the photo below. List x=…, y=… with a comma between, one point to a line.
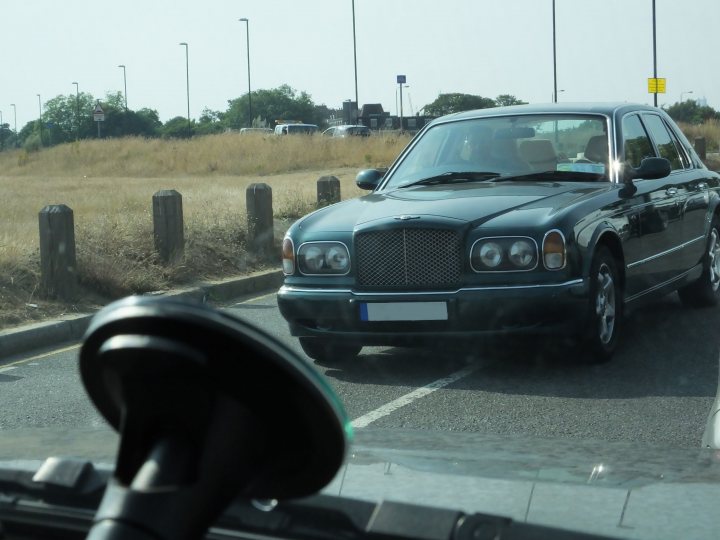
x=210, y=122
x=177, y=128
x=504, y=100
x=281, y=103
x=690, y=112
x=61, y=121
x=452, y=103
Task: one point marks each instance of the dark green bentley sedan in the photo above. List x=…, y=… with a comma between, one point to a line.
x=543, y=219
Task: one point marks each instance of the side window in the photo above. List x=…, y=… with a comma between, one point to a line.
x=636, y=143
x=663, y=140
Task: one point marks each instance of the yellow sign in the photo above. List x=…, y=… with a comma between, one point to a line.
x=656, y=86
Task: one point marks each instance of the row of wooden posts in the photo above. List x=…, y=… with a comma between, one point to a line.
x=58, y=275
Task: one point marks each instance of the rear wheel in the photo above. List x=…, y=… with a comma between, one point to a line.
x=605, y=308
x=705, y=292
x=327, y=351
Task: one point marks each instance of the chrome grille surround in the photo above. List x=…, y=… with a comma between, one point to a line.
x=409, y=258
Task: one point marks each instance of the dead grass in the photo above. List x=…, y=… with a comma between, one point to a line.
x=113, y=227
x=221, y=155
x=710, y=130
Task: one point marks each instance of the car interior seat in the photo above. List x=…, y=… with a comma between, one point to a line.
x=597, y=149
x=539, y=154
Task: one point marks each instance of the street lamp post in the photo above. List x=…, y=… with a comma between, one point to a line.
x=15, y=121
x=654, y=53
x=187, y=76
x=555, y=90
x=40, y=119
x=124, y=83
x=77, y=111
x=247, y=36
x=683, y=93
x=357, y=103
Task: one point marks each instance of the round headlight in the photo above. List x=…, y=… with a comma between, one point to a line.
x=337, y=258
x=314, y=258
x=491, y=254
x=522, y=253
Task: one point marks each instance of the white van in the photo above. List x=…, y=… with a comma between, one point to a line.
x=293, y=129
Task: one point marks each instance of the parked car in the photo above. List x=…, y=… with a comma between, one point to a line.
x=255, y=131
x=551, y=219
x=348, y=131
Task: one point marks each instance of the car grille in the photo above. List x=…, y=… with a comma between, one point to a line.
x=408, y=258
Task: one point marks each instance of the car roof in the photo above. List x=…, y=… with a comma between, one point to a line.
x=609, y=109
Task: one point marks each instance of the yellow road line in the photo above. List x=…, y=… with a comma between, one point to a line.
x=40, y=356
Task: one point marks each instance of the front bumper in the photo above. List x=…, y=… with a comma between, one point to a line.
x=471, y=313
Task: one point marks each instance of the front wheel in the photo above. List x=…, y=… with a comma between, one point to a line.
x=705, y=292
x=328, y=352
x=605, y=308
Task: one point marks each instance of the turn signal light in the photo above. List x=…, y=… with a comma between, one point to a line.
x=288, y=256
x=554, y=252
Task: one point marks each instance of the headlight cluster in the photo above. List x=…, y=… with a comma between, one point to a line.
x=321, y=258
x=504, y=254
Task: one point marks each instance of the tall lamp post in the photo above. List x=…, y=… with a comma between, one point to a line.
x=683, y=93
x=247, y=36
x=15, y=121
x=124, y=83
x=555, y=90
x=357, y=103
x=654, y=53
x=77, y=111
x=40, y=119
x=187, y=76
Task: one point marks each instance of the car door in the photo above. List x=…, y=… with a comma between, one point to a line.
x=692, y=195
x=653, y=212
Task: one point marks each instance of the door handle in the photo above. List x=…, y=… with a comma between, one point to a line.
x=671, y=192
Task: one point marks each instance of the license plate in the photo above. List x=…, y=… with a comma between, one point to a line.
x=404, y=311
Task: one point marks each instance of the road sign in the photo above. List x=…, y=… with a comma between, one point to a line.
x=401, y=79
x=98, y=113
x=656, y=86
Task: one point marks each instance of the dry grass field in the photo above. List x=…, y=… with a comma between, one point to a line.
x=109, y=186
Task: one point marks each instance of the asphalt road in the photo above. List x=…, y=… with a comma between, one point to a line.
x=658, y=389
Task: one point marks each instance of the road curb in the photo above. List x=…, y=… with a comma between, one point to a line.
x=71, y=328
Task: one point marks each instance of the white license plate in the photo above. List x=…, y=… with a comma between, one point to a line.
x=404, y=311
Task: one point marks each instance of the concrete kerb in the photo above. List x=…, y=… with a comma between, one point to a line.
x=71, y=328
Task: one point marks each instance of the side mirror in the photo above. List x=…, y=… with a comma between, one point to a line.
x=369, y=178
x=649, y=169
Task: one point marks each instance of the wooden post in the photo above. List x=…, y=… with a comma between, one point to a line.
x=328, y=191
x=701, y=147
x=58, y=269
x=168, y=225
x=260, y=218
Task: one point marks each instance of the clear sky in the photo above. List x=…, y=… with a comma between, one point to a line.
x=484, y=47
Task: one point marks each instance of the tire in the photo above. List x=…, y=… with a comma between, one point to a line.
x=605, y=308
x=328, y=352
x=705, y=292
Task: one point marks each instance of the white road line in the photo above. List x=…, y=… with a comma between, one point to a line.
x=3, y=370
x=407, y=399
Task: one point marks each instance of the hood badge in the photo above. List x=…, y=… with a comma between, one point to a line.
x=405, y=217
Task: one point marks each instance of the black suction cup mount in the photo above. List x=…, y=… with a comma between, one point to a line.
x=209, y=408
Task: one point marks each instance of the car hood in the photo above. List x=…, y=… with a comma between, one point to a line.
x=477, y=202
x=617, y=489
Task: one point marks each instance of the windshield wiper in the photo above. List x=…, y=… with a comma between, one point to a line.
x=584, y=176
x=451, y=177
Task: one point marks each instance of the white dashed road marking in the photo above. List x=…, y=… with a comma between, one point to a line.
x=407, y=399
